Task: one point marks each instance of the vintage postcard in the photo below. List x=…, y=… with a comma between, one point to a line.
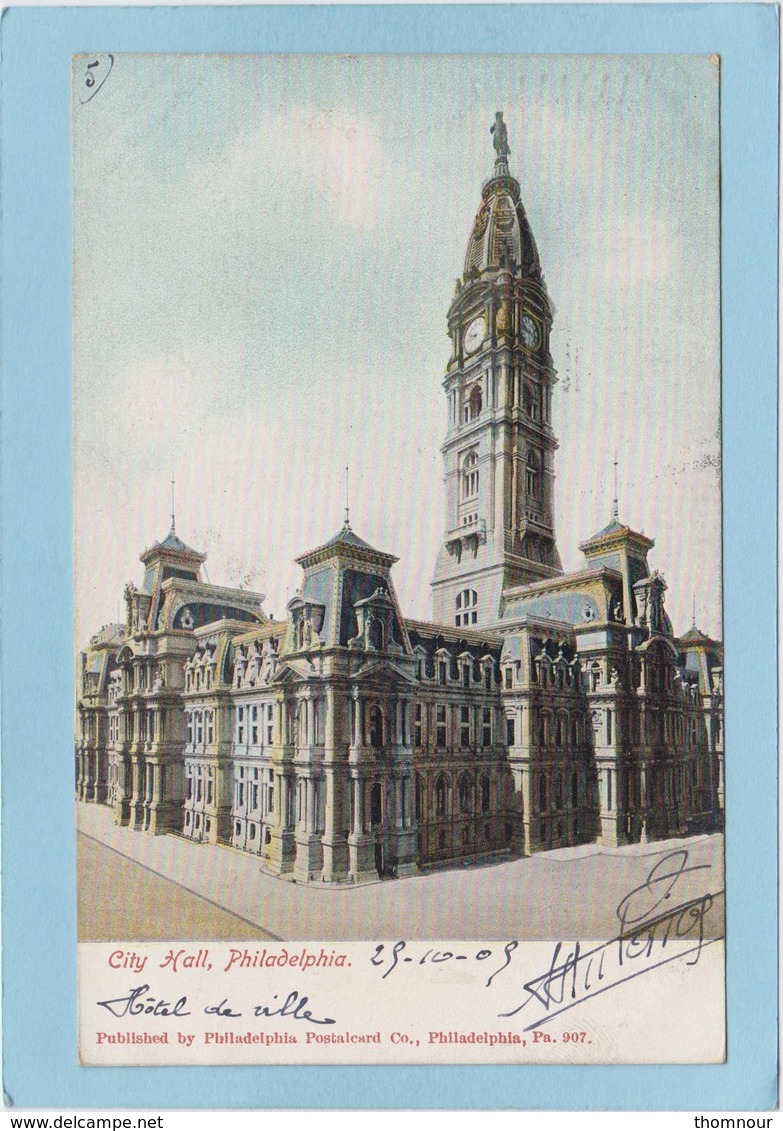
x=397, y=535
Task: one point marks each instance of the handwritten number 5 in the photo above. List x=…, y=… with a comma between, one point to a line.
x=90, y=78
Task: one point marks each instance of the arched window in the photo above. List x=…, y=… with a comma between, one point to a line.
x=418, y=794
x=376, y=634
x=542, y=792
x=376, y=726
x=465, y=604
x=441, y=796
x=530, y=402
x=470, y=476
x=485, y=794
x=474, y=404
x=464, y=794
x=532, y=477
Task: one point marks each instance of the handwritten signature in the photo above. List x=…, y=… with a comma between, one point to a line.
x=576, y=974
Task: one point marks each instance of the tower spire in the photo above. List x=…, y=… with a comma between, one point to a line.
x=615, y=506
x=172, y=505
x=347, y=521
x=693, y=623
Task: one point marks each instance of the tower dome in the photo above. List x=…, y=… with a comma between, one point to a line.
x=501, y=235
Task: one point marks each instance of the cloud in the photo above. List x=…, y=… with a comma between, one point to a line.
x=634, y=248
x=336, y=161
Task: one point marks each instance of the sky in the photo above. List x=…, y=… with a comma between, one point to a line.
x=265, y=249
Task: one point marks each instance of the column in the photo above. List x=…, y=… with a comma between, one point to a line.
x=358, y=806
x=530, y=841
x=361, y=846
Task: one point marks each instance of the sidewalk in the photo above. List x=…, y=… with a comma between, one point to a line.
x=567, y=893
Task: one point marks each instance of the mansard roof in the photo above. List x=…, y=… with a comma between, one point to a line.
x=450, y=632
x=563, y=581
x=614, y=527
x=614, y=534
x=346, y=540
x=268, y=631
x=694, y=637
x=173, y=544
x=348, y=537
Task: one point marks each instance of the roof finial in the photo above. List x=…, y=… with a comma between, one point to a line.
x=347, y=522
x=693, y=624
x=172, y=505
x=615, y=506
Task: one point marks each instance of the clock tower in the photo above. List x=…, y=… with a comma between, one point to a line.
x=498, y=454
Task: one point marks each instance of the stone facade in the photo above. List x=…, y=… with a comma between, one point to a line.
x=537, y=710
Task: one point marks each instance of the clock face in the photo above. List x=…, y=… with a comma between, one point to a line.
x=474, y=335
x=529, y=331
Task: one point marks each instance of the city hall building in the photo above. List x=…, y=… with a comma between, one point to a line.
x=536, y=710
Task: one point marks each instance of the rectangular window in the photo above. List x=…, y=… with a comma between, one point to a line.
x=199, y=728
x=609, y=726
x=240, y=795
x=209, y=790
x=270, y=798
x=486, y=726
x=269, y=724
x=210, y=728
x=254, y=725
x=240, y=725
x=464, y=726
x=510, y=732
x=417, y=725
x=198, y=786
x=466, y=676
x=440, y=726
x=442, y=671
x=508, y=677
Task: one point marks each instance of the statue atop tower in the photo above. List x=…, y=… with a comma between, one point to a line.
x=500, y=142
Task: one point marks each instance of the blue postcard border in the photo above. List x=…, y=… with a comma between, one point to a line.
x=38, y=905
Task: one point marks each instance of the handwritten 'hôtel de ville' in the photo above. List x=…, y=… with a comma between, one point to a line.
x=537, y=710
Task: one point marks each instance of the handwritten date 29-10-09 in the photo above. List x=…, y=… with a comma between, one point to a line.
x=391, y=957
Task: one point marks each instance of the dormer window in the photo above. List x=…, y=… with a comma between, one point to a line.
x=375, y=633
